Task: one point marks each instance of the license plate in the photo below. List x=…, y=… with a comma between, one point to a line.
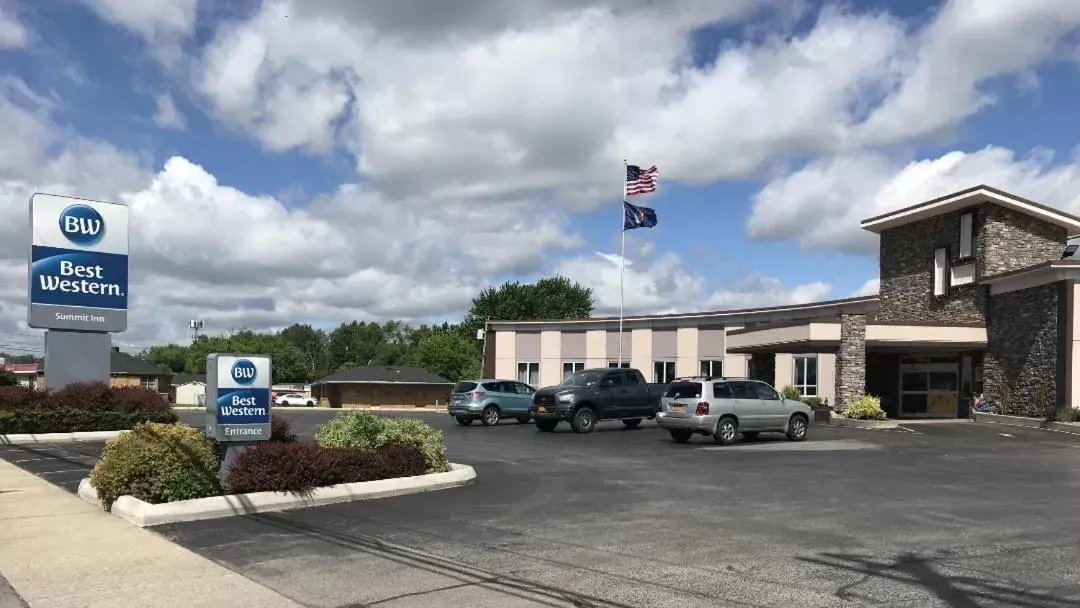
x=678, y=409
x=541, y=410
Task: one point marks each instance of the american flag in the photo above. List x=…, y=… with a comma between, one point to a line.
x=641, y=181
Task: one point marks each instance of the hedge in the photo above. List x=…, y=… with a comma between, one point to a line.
x=90, y=406
x=302, y=467
x=366, y=431
x=866, y=407
x=157, y=463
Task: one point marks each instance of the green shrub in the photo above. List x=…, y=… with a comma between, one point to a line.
x=157, y=463
x=366, y=431
x=815, y=402
x=790, y=392
x=1069, y=414
x=866, y=407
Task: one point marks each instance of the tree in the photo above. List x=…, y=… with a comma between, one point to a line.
x=313, y=344
x=551, y=298
x=172, y=357
x=8, y=378
x=447, y=354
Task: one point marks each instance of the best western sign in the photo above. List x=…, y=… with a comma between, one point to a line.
x=78, y=264
x=238, y=397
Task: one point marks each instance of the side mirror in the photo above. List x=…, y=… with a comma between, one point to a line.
x=782, y=398
x=607, y=383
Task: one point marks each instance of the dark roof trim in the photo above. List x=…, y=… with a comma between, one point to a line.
x=385, y=374
x=956, y=200
x=858, y=304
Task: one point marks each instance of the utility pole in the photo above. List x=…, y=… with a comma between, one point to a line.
x=481, y=334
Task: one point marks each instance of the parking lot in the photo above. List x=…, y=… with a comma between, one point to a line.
x=953, y=515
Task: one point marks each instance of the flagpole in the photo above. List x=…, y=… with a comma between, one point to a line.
x=622, y=259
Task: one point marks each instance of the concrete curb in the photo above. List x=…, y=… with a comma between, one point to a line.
x=31, y=438
x=1070, y=428
x=863, y=424
x=144, y=514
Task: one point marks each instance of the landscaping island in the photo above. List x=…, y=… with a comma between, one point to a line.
x=160, y=470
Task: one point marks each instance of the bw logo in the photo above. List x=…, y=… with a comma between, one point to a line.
x=82, y=225
x=243, y=372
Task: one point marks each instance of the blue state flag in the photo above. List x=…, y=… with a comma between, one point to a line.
x=638, y=217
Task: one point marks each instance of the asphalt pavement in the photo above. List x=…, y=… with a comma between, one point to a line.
x=957, y=515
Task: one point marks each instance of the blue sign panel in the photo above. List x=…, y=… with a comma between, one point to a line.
x=243, y=406
x=78, y=270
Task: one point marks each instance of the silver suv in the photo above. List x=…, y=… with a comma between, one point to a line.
x=724, y=408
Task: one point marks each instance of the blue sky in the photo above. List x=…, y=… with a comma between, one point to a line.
x=377, y=133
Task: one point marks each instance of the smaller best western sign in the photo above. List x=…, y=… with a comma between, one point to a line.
x=238, y=397
x=78, y=264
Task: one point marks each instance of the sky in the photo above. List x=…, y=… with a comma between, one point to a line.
x=335, y=160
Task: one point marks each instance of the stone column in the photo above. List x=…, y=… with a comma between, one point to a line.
x=851, y=360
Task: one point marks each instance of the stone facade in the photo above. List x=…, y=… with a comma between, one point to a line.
x=1004, y=240
x=907, y=273
x=1011, y=241
x=1023, y=341
x=851, y=360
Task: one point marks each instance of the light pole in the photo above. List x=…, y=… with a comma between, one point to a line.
x=195, y=325
x=481, y=334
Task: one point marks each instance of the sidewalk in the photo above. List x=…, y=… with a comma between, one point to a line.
x=58, y=551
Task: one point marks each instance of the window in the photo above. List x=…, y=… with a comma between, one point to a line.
x=941, y=274
x=712, y=369
x=528, y=373
x=148, y=383
x=967, y=222
x=684, y=390
x=764, y=391
x=524, y=389
x=743, y=390
x=630, y=378
x=722, y=390
x=615, y=364
x=663, y=371
x=465, y=387
x=806, y=376
x=571, y=367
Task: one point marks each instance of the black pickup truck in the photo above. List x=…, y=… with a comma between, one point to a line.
x=589, y=396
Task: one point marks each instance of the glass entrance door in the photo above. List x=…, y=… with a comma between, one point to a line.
x=929, y=389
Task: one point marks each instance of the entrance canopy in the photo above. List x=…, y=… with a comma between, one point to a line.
x=823, y=336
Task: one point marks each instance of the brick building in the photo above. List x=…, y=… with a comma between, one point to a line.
x=977, y=295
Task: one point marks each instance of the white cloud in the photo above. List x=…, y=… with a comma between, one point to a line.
x=14, y=34
x=869, y=288
x=666, y=285
x=202, y=249
x=166, y=115
x=847, y=190
x=969, y=43
x=162, y=24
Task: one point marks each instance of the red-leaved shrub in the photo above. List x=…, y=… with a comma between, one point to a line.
x=90, y=406
x=302, y=467
x=280, y=430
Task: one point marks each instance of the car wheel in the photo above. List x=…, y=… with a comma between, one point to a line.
x=546, y=426
x=311, y=404
x=463, y=421
x=797, y=428
x=726, y=431
x=490, y=416
x=584, y=420
x=523, y=419
x=750, y=435
x=680, y=435
x=631, y=422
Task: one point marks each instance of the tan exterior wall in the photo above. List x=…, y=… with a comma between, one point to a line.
x=595, y=348
x=361, y=395
x=550, y=358
x=736, y=366
x=686, y=359
x=784, y=373
x=641, y=352
x=505, y=358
